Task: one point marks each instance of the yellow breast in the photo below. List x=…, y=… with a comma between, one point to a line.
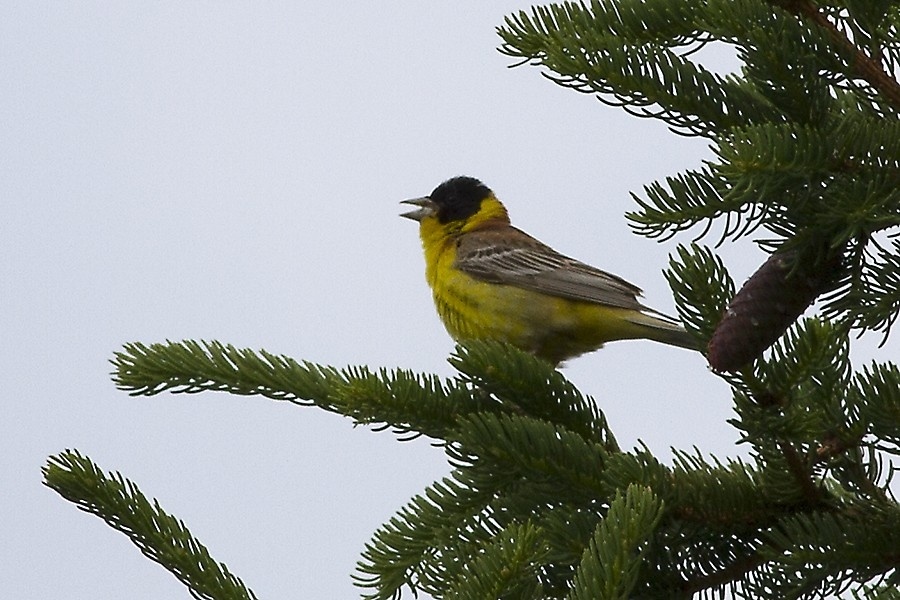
x=551, y=327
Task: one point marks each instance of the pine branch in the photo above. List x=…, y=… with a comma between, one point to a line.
x=408, y=404
x=804, y=151
x=631, y=54
x=407, y=550
x=158, y=535
x=519, y=465
x=718, y=497
x=878, y=385
x=611, y=564
x=802, y=474
x=687, y=200
x=873, y=298
x=530, y=386
x=877, y=592
x=702, y=288
x=826, y=552
x=534, y=450
x=736, y=571
x=861, y=64
x=507, y=567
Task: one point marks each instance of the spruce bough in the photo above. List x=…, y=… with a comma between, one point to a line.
x=542, y=502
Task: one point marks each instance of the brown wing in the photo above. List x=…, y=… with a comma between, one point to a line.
x=510, y=256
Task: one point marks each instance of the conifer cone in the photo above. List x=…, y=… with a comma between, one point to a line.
x=767, y=304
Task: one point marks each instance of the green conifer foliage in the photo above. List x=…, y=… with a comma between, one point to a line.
x=542, y=502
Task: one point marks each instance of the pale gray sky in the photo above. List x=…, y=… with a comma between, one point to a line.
x=232, y=171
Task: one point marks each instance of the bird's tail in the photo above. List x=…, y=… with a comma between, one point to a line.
x=664, y=329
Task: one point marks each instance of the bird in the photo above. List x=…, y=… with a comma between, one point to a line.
x=492, y=281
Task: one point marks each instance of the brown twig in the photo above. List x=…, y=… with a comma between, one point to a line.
x=801, y=473
x=864, y=66
x=832, y=447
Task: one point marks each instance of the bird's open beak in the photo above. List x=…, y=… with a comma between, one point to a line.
x=426, y=208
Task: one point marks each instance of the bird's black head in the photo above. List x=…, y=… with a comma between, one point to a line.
x=458, y=198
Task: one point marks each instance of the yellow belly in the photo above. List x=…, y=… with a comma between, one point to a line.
x=550, y=327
